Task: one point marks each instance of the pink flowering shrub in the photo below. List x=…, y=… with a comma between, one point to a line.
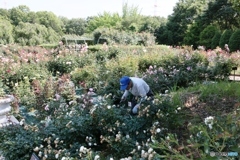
x=78, y=115
x=183, y=69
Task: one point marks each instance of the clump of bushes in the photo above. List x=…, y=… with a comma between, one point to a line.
x=65, y=124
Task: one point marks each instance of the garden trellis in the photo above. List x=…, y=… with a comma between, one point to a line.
x=75, y=40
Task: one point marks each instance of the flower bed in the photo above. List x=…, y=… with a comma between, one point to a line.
x=60, y=118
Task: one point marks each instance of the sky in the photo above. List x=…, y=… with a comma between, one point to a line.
x=86, y=8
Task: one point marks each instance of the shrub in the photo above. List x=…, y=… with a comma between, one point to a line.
x=85, y=77
x=18, y=140
x=225, y=38
x=206, y=36
x=25, y=71
x=234, y=43
x=112, y=36
x=177, y=70
x=215, y=40
x=62, y=64
x=66, y=124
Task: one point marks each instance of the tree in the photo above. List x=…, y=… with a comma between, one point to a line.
x=216, y=39
x=225, y=38
x=222, y=13
x=184, y=15
x=131, y=18
x=234, y=43
x=106, y=20
x=161, y=35
x=206, y=36
x=192, y=35
x=76, y=26
x=19, y=14
x=4, y=13
x=150, y=24
x=49, y=19
x=235, y=4
x=34, y=34
x=6, y=31
x=64, y=21
x=32, y=17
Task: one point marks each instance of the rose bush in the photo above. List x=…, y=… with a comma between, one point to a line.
x=58, y=122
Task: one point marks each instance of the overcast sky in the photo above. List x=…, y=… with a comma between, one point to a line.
x=86, y=8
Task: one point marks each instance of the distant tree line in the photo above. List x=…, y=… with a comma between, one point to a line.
x=210, y=23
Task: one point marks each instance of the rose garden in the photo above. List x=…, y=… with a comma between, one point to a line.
x=67, y=103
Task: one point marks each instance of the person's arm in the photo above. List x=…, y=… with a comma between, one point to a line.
x=124, y=96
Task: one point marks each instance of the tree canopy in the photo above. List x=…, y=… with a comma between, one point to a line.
x=187, y=25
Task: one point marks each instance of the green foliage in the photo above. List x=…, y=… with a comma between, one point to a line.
x=84, y=125
x=221, y=69
x=145, y=62
x=180, y=70
x=103, y=55
x=19, y=14
x=2, y=89
x=150, y=24
x=219, y=90
x=94, y=48
x=6, y=31
x=18, y=140
x=131, y=18
x=215, y=40
x=225, y=38
x=222, y=13
x=105, y=20
x=24, y=93
x=34, y=34
x=4, y=13
x=50, y=20
x=234, y=43
x=86, y=76
x=206, y=36
x=26, y=71
x=112, y=36
x=61, y=65
x=49, y=46
x=192, y=35
x=76, y=26
x=235, y=5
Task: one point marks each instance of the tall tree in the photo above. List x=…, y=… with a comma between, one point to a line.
x=184, y=15
x=222, y=13
x=234, y=43
x=206, y=36
x=5, y=31
x=4, y=13
x=105, y=20
x=64, y=21
x=236, y=5
x=19, y=14
x=150, y=24
x=76, y=26
x=34, y=34
x=49, y=19
x=192, y=35
x=225, y=37
x=216, y=39
x=32, y=17
x=131, y=18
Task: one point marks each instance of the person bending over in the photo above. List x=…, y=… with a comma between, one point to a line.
x=139, y=89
